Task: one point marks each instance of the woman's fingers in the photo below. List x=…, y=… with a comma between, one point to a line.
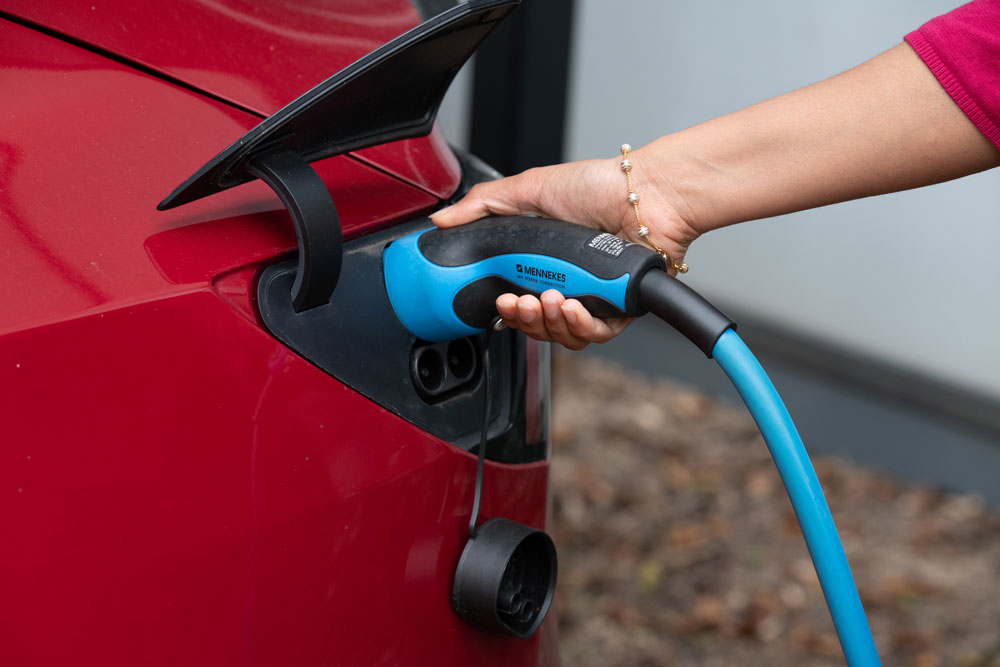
x=585, y=326
x=507, y=309
x=557, y=319
x=530, y=319
x=524, y=313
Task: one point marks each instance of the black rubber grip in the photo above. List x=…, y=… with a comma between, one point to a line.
x=604, y=255
x=684, y=309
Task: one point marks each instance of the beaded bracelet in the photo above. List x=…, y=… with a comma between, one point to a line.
x=633, y=199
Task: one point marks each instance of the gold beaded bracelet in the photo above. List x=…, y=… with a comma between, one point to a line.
x=633, y=199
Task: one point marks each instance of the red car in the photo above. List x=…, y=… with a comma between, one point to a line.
x=195, y=468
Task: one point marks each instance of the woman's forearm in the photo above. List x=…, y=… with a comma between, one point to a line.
x=883, y=126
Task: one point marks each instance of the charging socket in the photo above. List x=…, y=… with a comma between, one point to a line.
x=440, y=371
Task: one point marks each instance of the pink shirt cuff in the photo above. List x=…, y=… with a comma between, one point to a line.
x=953, y=87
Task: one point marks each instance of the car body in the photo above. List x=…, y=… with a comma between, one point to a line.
x=180, y=487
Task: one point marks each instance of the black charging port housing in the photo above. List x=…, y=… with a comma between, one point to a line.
x=440, y=371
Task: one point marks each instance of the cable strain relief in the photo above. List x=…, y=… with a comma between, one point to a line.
x=684, y=309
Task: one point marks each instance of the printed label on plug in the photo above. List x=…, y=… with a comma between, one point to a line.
x=609, y=244
x=533, y=274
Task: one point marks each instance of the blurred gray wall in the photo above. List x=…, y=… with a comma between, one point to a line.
x=910, y=277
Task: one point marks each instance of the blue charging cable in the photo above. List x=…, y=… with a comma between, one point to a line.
x=807, y=498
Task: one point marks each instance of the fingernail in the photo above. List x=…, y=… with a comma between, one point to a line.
x=506, y=301
x=441, y=210
x=526, y=315
x=569, y=315
x=550, y=307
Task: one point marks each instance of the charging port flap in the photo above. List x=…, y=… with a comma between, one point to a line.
x=391, y=93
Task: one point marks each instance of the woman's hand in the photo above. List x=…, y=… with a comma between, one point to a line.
x=591, y=193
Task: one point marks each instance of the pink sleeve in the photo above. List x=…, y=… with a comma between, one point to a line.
x=962, y=49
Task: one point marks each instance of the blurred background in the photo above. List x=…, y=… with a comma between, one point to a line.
x=876, y=319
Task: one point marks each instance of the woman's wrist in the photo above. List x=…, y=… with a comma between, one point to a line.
x=683, y=180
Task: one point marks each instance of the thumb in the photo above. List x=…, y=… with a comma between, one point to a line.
x=506, y=196
x=458, y=213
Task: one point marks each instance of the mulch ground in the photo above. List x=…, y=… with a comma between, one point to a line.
x=678, y=546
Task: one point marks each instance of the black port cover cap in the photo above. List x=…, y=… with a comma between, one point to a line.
x=506, y=578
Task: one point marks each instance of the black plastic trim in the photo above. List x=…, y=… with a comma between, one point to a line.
x=357, y=339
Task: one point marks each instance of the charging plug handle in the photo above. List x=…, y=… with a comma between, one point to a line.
x=443, y=283
x=528, y=255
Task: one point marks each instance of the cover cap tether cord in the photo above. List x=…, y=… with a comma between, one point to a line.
x=481, y=457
